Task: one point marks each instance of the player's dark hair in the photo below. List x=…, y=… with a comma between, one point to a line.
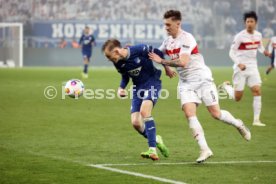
x=110, y=44
x=173, y=14
x=250, y=14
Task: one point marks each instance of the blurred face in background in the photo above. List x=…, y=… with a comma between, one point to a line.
x=87, y=30
x=250, y=24
x=172, y=26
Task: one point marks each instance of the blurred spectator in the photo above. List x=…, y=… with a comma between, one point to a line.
x=268, y=31
x=75, y=44
x=62, y=44
x=211, y=20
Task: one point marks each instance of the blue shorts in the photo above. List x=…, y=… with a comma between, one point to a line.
x=147, y=92
x=86, y=55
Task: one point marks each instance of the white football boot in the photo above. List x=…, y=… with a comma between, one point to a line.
x=244, y=131
x=204, y=155
x=258, y=123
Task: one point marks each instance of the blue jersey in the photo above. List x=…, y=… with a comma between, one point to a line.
x=138, y=66
x=86, y=42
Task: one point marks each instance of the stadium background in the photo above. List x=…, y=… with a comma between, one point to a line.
x=54, y=140
x=48, y=22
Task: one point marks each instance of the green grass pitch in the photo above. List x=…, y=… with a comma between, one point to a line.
x=55, y=141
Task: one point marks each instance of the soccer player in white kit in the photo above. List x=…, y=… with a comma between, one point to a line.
x=243, y=52
x=272, y=50
x=195, y=81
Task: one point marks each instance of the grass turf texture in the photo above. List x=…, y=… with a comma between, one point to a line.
x=40, y=138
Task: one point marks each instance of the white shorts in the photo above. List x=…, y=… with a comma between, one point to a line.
x=250, y=77
x=198, y=92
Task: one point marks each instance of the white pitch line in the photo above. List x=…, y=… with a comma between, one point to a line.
x=137, y=174
x=191, y=163
x=105, y=166
x=99, y=166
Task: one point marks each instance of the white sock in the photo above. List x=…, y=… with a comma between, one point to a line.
x=257, y=107
x=153, y=148
x=198, y=132
x=228, y=118
x=230, y=90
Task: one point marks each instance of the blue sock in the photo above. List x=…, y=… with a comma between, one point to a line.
x=150, y=131
x=85, y=68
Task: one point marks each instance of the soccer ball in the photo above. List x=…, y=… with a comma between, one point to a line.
x=74, y=88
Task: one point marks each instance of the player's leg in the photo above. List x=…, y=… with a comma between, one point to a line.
x=189, y=100
x=86, y=58
x=150, y=98
x=257, y=105
x=269, y=69
x=273, y=63
x=145, y=112
x=189, y=110
x=137, y=123
x=229, y=119
x=210, y=98
x=235, y=92
x=254, y=82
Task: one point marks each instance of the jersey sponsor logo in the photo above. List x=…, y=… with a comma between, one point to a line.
x=174, y=53
x=249, y=45
x=86, y=42
x=135, y=72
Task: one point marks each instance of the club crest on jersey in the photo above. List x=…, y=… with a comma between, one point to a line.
x=137, y=60
x=135, y=72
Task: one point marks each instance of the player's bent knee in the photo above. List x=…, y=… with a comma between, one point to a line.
x=256, y=91
x=216, y=114
x=189, y=114
x=135, y=123
x=145, y=113
x=238, y=96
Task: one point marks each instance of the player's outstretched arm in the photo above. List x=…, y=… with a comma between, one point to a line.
x=180, y=62
x=169, y=72
x=121, y=90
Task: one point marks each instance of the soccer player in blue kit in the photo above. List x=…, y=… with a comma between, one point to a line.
x=133, y=62
x=87, y=40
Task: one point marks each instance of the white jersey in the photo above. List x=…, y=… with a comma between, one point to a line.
x=272, y=46
x=185, y=43
x=244, y=49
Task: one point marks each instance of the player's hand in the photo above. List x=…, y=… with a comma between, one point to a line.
x=154, y=57
x=169, y=72
x=121, y=92
x=266, y=53
x=242, y=67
